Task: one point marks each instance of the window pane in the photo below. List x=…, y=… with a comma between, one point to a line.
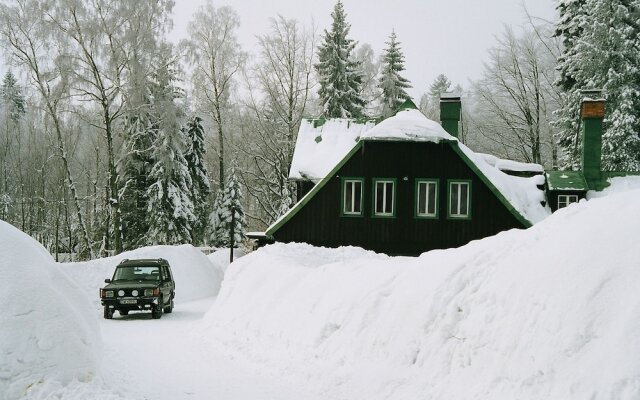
x=348, y=187
x=379, y=197
x=464, y=199
x=389, y=198
x=422, y=197
x=357, y=196
x=432, y=198
x=454, y=199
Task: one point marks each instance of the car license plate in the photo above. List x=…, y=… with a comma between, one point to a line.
x=128, y=301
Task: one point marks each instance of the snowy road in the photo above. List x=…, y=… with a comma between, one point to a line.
x=157, y=359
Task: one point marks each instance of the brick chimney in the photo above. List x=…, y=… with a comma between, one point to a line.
x=450, y=107
x=592, y=114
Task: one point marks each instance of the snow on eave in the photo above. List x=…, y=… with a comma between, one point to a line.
x=522, y=194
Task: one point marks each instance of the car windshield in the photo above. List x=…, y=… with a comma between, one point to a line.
x=137, y=273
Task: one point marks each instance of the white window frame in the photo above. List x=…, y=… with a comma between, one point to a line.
x=457, y=214
x=387, y=182
x=564, y=200
x=345, y=184
x=429, y=183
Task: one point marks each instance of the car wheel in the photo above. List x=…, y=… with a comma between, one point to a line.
x=124, y=312
x=108, y=313
x=168, y=309
x=156, y=313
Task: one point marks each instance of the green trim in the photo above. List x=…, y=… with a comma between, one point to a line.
x=373, y=197
x=298, y=206
x=525, y=222
x=342, y=182
x=415, y=198
x=469, y=199
x=566, y=200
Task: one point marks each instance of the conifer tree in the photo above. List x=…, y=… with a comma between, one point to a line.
x=339, y=74
x=393, y=84
x=12, y=98
x=200, y=189
x=170, y=210
x=228, y=215
x=602, y=50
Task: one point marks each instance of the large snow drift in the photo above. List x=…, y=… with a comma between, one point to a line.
x=552, y=312
x=48, y=332
x=196, y=275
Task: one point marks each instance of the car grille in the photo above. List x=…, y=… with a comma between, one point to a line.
x=128, y=292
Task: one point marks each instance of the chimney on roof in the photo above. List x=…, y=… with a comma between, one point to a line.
x=450, y=107
x=592, y=114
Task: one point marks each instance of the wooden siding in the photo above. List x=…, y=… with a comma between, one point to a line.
x=319, y=221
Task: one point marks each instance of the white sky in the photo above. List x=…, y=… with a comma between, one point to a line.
x=437, y=36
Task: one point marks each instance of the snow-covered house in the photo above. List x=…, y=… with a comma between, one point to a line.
x=403, y=186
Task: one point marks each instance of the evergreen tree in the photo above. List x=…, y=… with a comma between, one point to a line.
x=339, y=74
x=392, y=84
x=12, y=98
x=134, y=175
x=602, y=50
x=200, y=189
x=229, y=212
x=170, y=210
x=430, y=101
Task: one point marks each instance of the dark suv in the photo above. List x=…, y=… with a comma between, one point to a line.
x=145, y=284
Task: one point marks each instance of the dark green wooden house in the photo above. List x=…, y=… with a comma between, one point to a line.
x=405, y=186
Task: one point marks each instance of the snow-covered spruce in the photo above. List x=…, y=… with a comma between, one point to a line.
x=393, y=84
x=200, y=189
x=228, y=213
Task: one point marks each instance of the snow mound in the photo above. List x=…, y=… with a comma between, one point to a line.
x=221, y=257
x=195, y=275
x=48, y=332
x=551, y=312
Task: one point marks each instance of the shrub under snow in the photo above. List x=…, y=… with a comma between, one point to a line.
x=552, y=312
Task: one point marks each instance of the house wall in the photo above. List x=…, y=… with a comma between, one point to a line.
x=320, y=222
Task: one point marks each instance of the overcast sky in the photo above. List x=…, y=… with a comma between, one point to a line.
x=437, y=36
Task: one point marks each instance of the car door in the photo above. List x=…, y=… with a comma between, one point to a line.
x=166, y=287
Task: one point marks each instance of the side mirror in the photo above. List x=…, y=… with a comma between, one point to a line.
x=107, y=281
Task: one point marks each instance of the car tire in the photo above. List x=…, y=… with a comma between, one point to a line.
x=124, y=312
x=156, y=313
x=169, y=309
x=108, y=313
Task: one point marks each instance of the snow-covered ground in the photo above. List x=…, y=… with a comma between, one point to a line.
x=552, y=312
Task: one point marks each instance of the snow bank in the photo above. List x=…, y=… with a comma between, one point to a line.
x=196, y=276
x=552, y=312
x=221, y=257
x=48, y=332
x=617, y=185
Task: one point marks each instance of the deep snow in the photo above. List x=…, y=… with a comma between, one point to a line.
x=47, y=329
x=552, y=312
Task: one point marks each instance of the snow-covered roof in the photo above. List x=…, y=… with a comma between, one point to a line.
x=566, y=180
x=321, y=144
x=510, y=165
x=315, y=160
x=408, y=124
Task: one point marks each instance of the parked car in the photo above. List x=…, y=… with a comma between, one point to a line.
x=144, y=284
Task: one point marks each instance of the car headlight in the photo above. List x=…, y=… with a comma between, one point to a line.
x=120, y=293
x=108, y=293
x=134, y=293
x=152, y=292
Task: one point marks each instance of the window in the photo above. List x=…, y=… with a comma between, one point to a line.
x=459, y=199
x=566, y=199
x=352, y=196
x=384, y=197
x=426, y=198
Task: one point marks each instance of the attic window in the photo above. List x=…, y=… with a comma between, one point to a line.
x=426, y=198
x=384, y=196
x=459, y=199
x=352, y=196
x=565, y=199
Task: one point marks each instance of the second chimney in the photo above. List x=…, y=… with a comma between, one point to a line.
x=592, y=114
x=450, y=107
